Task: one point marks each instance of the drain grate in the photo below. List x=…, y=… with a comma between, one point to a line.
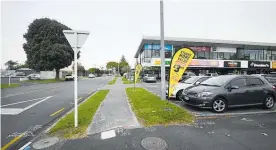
x=44, y=143
x=154, y=143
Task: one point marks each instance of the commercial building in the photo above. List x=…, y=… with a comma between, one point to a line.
x=219, y=56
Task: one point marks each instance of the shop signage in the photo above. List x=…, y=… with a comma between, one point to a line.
x=168, y=47
x=232, y=64
x=201, y=48
x=274, y=65
x=204, y=63
x=158, y=62
x=258, y=64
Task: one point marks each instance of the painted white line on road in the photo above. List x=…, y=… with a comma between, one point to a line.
x=26, y=108
x=11, y=111
x=23, y=147
x=10, y=95
x=108, y=134
x=23, y=102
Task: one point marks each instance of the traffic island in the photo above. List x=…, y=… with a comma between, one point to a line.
x=86, y=111
x=151, y=110
x=112, y=81
x=4, y=86
x=126, y=81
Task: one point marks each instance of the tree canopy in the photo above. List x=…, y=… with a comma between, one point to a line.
x=111, y=65
x=11, y=65
x=46, y=46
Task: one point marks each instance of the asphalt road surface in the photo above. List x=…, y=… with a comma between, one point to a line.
x=13, y=80
x=30, y=108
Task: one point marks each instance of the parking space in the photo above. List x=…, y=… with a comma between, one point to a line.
x=200, y=112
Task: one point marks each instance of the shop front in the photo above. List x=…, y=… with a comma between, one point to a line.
x=258, y=67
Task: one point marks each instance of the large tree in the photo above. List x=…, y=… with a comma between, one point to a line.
x=46, y=46
x=123, y=66
x=11, y=65
x=111, y=65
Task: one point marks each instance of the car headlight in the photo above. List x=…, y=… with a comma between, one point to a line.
x=204, y=94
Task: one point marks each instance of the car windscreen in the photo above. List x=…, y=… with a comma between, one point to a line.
x=217, y=81
x=151, y=75
x=191, y=80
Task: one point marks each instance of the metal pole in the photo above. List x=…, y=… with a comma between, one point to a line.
x=75, y=80
x=162, y=52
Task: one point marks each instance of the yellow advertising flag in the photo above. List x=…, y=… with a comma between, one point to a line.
x=138, y=69
x=180, y=61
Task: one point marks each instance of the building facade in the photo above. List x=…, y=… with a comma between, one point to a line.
x=221, y=56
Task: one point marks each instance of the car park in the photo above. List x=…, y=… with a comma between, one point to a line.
x=194, y=80
x=222, y=92
x=149, y=78
x=91, y=76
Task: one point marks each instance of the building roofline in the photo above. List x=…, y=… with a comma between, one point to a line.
x=171, y=40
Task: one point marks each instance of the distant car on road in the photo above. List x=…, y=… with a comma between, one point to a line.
x=20, y=74
x=149, y=78
x=194, y=80
x=222, y=92
x=69, y=77
x=34, y=77
x=91, y=76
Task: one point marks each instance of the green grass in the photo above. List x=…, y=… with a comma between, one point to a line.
x=151, y=110
x=126, y=81
x=65, y=127
x=4, y=86
x=112, y=81
x=44, y=81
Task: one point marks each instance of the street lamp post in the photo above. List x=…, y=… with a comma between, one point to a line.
x=162, y=52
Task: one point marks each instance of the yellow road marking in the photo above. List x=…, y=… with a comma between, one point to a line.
x=79, y=98
x=56, y=112
x=11, y=142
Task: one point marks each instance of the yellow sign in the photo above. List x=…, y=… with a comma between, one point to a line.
x=138, y=69
x=274, y=65
x=180, y=61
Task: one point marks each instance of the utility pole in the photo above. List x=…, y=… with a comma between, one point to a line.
x=162, y=52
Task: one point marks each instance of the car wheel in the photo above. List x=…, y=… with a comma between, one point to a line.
x=269, y=102
x=219, y=105
x=178, y=95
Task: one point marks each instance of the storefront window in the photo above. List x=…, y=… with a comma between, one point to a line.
x=168, y=54
x=148, y=53
x=147, y=60
x=273, y=54
x=200, y=55
x=261, y=55
x=214, y=55
x=267, y=55
x=155, y=54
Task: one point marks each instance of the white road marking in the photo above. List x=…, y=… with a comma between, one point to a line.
x=11, y=111
x=10, y=95
x=108, y=134
x=23, y=102
x=16, y=111
x=23, y=147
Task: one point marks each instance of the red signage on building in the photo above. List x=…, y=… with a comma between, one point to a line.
x=204, y=63
x=201, y=49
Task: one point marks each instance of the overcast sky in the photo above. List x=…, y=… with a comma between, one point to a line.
x=117, y=27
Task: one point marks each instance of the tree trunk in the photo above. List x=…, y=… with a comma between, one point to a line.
x=57, y=74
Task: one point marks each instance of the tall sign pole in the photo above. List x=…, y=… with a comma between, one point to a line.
x=76, y=39
x=162, y=52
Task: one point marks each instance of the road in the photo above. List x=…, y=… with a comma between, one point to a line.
x=30, y=108
x=13, y=80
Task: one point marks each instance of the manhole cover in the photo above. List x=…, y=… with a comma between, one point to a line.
x=154, y=143
x=44, y=143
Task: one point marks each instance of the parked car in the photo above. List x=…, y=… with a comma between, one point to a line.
x=34, y=77
x=194, y=80
x=222, y=92
x=91, y=76
x=149, y=78
x=185, y=75
x=69, y=77
x=20, y=74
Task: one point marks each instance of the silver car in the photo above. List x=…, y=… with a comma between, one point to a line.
x=149, y=78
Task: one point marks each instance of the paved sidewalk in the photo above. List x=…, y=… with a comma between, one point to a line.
x=114, y=112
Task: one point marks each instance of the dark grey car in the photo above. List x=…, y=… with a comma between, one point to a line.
x=221, y=92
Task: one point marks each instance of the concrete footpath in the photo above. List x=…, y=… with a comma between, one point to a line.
x=114, y=112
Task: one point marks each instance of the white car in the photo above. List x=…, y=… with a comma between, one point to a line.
x=193, y=80
x=33, y=76
x=69, y=77
x=91, y=76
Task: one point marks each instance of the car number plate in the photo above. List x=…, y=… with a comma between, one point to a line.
x=186, y=98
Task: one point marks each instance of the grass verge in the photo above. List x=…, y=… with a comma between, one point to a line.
x=112, y=81
x=65, y=127
x=150, y=109
x=13, y=85
x=44, y=81
x=126, y=81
